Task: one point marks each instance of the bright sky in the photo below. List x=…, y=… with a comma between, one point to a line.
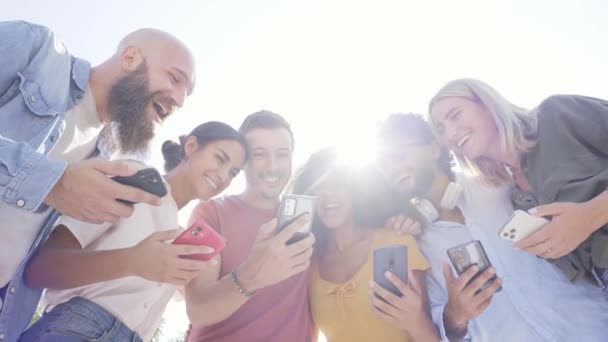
x=334, y=68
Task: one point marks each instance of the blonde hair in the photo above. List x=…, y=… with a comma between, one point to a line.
x=516, y=126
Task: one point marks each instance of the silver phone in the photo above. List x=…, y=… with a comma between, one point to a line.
x=292, y=207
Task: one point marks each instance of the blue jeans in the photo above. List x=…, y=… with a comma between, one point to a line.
x=79, y=320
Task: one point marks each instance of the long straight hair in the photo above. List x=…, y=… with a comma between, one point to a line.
x=516, y=126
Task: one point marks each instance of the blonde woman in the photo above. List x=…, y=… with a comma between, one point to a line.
x=556, y=155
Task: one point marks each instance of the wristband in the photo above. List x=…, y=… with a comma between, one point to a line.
x=237, y=284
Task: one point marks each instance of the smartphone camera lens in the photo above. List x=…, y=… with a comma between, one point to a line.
x=512, y=237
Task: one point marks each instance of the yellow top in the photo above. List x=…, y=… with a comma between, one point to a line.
x=342, y=311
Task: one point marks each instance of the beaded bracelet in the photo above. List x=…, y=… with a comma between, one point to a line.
x=235, y=281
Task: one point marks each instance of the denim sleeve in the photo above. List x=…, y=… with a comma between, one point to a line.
x=26, y=176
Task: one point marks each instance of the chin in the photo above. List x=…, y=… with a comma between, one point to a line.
x=331, y=225
x=401, y=189
x=333, y=222
x=271, y=194
x=205, y=195
x=472, y=155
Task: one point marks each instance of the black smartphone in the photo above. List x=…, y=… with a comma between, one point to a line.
x=469, y=254
x=147, y=179
x=392, y=259
x=292, y=207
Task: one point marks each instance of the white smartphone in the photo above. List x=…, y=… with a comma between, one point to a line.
x=520, y=225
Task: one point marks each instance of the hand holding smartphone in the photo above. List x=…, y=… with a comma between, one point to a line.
x=200, y=233
x=292, y=207
x=468, y=254
x=390, y=259
x=147, y=179
x=520, y=225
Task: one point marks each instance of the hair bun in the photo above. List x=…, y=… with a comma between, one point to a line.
x=173, y=153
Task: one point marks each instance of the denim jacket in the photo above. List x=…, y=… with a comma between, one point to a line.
x=39, y=82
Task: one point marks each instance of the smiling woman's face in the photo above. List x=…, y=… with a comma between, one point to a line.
x=464, y=126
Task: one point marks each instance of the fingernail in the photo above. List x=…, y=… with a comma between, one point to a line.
x=533, y=211
x=388, y=274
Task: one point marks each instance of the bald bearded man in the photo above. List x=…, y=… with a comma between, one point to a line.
x=53, y=107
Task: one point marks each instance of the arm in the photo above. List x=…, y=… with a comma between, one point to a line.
x=598, y=210
x=578, y=126
x=208, y=290
x=210, y=300
x=26, y=176
x=438, y=298
x=466, y=299
x=62, y=263
x=426, y=330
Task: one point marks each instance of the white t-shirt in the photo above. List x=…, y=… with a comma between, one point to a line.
x=82, y=127
x=18, y=227
x=137, y=302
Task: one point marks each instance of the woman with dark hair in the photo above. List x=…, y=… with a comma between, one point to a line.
x=112, y=282
x=350, y=205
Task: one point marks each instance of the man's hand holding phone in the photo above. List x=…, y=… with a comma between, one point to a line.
x=85, y=192
x=155, y=259
x=467, y=297
x=272, y=260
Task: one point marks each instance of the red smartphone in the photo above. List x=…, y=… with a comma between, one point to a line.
x=200, y=233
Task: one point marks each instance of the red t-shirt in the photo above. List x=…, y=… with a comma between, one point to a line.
x=276, y=313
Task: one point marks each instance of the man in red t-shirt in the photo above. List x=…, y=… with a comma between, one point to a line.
x=258, y=291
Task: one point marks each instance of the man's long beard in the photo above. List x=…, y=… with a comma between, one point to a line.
x=128, y=99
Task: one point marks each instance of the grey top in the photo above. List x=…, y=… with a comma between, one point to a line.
x=569, y=163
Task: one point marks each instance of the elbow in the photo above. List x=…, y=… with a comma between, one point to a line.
x=194, y=310
x=197, y=317
x=193, y=317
